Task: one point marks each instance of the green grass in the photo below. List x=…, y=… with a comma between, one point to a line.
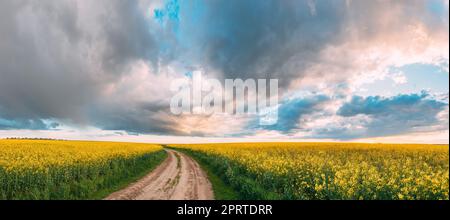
x=222, y=191
x=133, y=175
x=229, y=179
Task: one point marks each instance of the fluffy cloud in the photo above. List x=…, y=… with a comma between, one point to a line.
x=399, y=114
x=291, y=111
x=401, y=104
x=326, y=117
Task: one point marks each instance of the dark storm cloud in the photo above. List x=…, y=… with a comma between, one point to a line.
x=128, y=37
x=142, y=118
x=56, y=56
x=39, y=78
x=259, y=39
x=31, y=124
x=280, y=39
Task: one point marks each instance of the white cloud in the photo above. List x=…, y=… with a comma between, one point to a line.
x=399, y=77
x=312, y=7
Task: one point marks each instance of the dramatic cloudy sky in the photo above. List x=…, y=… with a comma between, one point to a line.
x=348, y=70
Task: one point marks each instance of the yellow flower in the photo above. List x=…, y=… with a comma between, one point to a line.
x=408, y=171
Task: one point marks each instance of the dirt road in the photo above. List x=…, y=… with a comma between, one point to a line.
x=179, y=177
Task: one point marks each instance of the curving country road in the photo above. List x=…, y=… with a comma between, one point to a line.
x=179, y=177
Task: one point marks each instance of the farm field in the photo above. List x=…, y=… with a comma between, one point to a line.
x=42, y=169
x=328, y=170
x=47, y=169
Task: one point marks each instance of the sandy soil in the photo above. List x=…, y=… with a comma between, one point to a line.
x=179, y=177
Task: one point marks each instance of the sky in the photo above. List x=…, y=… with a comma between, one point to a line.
x=360, y=71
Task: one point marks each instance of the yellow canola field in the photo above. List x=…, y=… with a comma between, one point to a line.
x=331, y=170
x=39, y=156
x=47, y=169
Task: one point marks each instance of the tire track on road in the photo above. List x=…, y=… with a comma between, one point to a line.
x=179, y=177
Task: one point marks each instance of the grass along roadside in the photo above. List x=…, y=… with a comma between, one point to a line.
x=222, y=191
x=139, y=173
x=229, y=179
